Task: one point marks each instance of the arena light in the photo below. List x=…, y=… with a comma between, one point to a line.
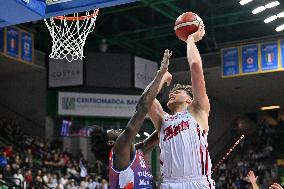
x=146, y=134
x=138, y=135
x=272, y=4
x=243, y=2
x=270, y=19
x=280, y=15
x=258, y=9
x=280, y=28
x=269, y=107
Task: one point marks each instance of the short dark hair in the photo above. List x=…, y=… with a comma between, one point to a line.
x=186, y=88
x=99, y=140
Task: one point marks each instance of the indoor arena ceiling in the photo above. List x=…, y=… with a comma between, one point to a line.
x=145, y=28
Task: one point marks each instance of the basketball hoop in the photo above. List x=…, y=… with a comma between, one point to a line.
x=69, y=34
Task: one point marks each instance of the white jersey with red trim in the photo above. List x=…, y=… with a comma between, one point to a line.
x=184, y=148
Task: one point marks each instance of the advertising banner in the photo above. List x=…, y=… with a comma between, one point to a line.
x=230, y=61
x=103, y=105
x=63, y=73
x=269, y=56
x=12, y=42
x=250, y=58
x=144, y=72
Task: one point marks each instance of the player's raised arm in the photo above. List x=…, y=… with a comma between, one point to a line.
x=200, y=98
x=156, y=111
x=124, y=142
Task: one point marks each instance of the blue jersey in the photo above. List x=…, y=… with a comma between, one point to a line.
x=136, y=176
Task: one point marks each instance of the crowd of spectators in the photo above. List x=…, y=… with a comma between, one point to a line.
x=29, y=162
x=257, y=152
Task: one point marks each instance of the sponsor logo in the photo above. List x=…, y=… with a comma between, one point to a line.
x=250, y=60
x=65, y=73
x=106, y=101
x=68, y=103
x=173, y=130
x=13, y=43
x=144, y=174
x=269, y=57
x=142, y=162
x=143, y=182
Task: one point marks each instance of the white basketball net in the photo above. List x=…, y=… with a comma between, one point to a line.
x=69, y=35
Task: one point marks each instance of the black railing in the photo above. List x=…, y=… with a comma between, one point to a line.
x=11, y=182
x=3, y=184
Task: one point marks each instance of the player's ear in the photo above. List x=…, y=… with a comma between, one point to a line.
x=188, y=100
x=110, y=143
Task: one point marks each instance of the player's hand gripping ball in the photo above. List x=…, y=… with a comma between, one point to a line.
x=187, y=24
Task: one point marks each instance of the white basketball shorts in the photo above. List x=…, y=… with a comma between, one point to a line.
x=203, y=182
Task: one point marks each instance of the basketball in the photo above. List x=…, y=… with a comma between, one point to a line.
x=186, y=24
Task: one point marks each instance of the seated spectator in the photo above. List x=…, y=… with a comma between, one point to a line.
x=71, y=171
x=64, y=180
x=71, y=184
x=83, y=170
x=3, y=160
x=92, y=184
x=104, y=184
x=16, y=162
x=28, y=177
x=9, y=151
x=7, y=172
x=60, y=185
x=84, y=183
x=28, y=158
x=19, y=178
x=66, y=158
x=38, y=181
x=46, y=177
x=54, y=180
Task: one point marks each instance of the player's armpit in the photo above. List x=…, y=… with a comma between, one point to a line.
x=156, y=114
x=150, y=143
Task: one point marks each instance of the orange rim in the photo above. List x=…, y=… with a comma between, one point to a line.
x=72, y=18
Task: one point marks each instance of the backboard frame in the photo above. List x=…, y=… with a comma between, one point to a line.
x=20, y=11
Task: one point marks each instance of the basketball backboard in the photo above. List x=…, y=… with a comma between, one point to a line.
x=20, y=11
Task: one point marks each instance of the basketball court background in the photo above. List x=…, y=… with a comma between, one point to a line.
x=123, y=35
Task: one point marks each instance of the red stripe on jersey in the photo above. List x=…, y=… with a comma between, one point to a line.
x=209, y=184
x=202, y=163
x=206, y=164
x=198, y=131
